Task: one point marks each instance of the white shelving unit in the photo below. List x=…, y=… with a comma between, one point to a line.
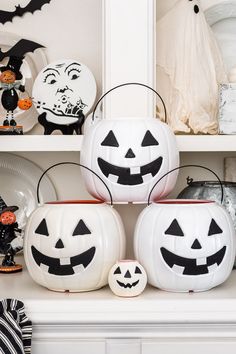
x=155, y=321
x=98, y=322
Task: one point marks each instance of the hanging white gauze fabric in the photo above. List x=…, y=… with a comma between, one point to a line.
x=189, y=69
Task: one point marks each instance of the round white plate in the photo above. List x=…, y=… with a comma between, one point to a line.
x=33, y=63
x=18, y=185
x=222, y=19
x=63, y=89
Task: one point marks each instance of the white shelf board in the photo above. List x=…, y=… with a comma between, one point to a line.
x=198, y=143
x=41, y=143
x=152, y=307
x=186, y=143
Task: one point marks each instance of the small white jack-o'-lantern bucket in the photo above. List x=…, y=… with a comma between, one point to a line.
x=127, y=278
x=185, y=245
x=71, y=245
x=130, y=155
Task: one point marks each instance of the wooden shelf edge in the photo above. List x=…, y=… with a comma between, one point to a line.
x=210, y=143
x=186, y=143
x=41, y=143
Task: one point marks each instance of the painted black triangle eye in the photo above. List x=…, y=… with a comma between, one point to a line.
x=42, y=229
x=214, y=229
x=149, y=139
x=117, y=271
x=110, y=140
x=137, y=270
x=81, y=229
x=174, y=229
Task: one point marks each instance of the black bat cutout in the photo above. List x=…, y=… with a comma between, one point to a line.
x=33, y=5
x=22, y=47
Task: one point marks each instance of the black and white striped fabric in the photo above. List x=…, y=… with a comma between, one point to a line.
x=15, y=328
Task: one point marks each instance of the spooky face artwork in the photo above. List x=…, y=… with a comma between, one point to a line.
x=64, y=90
x=130, y=154
x=185, y=245
x=69, y=247
x=127, y=278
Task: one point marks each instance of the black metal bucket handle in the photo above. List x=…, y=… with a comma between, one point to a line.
x=185, y=166
x=72, y=163
x=126, y=84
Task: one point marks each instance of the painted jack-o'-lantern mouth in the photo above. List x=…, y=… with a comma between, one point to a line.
x=192, y=266
x=130, y=175
x=128, y=285
x=63, y=266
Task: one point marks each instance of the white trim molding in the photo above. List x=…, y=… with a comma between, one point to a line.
x=129, y=56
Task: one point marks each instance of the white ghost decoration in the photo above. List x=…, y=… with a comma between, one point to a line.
x=189, y=69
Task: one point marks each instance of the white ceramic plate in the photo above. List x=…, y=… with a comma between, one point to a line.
x=32, y=65
x=222, y=19
x=18, y=184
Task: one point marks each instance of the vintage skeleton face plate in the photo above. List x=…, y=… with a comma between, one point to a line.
x=64, y=89
x=68, y=247
x=127, y=278
x=191, y=245
x=130, y=155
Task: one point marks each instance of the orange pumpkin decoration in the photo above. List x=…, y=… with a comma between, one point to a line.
x=25, y=103
x=7, y=218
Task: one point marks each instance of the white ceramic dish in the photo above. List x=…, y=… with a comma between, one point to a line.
x=222, y=19
x=18, y=184
x=32, y=65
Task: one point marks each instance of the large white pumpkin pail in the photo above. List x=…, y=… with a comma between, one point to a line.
x=129, y=154
x=185, y=245
x=71, y=245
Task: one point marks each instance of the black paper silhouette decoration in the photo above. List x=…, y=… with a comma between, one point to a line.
x=32, y=6
x=64, y=92
x=8, y=232
x=22, y=47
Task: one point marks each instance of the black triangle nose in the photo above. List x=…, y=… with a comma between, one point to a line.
x=127, y=274
x=59, y=244
x=130, y=154
x=196, y=245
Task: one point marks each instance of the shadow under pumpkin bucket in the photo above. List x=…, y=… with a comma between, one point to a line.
x=71, y=245
x=185, y=245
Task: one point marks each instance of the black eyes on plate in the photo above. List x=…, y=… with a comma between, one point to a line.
x=81, y=229
x=175, y=230
x=148, y=140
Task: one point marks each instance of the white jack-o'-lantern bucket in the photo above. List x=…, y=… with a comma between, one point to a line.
x=185, y=245
x=71, y=245
x=130, y=155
